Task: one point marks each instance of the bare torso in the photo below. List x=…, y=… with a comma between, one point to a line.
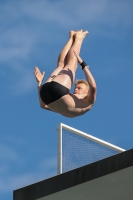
x=71, y=105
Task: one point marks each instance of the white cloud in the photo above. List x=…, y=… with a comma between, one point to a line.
x=108, y=12
x=48, y=163
x=25, y=82
x=12, y=182
x=4, y=168
x=13, y=170
x=7, y=153
x=15, y=43
x=25, y=25
x=64, y=13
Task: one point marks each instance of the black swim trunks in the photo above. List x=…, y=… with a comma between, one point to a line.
x=52, y=91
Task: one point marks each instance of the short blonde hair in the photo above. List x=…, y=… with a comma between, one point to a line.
x=82, y=82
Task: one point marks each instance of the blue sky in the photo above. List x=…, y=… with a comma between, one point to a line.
x=33, y=33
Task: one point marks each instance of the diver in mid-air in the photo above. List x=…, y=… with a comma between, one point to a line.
x=54, y=94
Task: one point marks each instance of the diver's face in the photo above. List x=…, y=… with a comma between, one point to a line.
x=80, y=88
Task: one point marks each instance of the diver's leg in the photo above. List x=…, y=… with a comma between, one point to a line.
x=67, y=75
x=62, y=56
x=66, y=48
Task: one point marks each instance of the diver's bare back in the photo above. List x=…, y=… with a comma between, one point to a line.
x=71, y=105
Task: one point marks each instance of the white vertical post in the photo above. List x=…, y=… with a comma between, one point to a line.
x=59, y=156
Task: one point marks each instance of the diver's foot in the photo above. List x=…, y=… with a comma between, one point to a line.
x=85, y=33
x=80, y=35
x=72, y=33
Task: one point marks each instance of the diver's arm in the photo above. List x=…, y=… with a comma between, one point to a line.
x=39, y=78
x=89, y=77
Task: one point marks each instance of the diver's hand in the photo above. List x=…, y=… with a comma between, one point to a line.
x=38, y=75
x=80, y=60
